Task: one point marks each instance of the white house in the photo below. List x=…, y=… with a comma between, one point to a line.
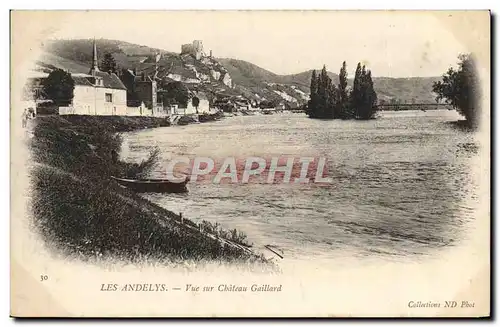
x=97, y=93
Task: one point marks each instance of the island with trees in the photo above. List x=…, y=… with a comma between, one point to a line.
x=328, y=101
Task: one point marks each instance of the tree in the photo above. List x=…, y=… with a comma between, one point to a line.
x=176, y=92
x=370, y=96
x=59, y=87
x=196, y=103
x=363, y=106
x=363, y=96
x=108, y=64
x=460, y=88
x=323, y=95
x=313, y=99
x=343, y=107
x=331, y=102
x=356, y=94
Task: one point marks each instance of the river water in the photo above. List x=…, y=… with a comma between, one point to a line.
x=401, y=183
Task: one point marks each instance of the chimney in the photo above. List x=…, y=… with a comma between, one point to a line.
x=210, y=53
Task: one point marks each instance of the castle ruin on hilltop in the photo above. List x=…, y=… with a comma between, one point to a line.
x=195, y=49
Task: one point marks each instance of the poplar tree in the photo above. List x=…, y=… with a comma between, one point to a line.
x=343, y=105
x=323, y=90
x=371, y=95
x=363, y=105
x=366, y=97
x=333, y=100
x=328, y=101
x=356, y=95
x=312, y=103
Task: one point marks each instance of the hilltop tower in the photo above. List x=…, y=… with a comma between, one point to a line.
x=195, y=49
x=95, y=65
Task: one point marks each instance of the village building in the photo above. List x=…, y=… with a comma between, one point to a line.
x=141, y=89
x=232, y=103
x=241, y=104
x=224, y=104
x=146, y=89
x=190, y=108
x=97, y=93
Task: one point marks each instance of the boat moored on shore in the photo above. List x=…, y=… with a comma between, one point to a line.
x=153, y=185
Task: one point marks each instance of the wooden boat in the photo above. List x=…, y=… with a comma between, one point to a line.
x=153, y=185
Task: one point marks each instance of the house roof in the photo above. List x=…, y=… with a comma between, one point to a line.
x=110, y=81
x=82, y=80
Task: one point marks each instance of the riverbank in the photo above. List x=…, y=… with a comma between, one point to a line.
x=81, y=211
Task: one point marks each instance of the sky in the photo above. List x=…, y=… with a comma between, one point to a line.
x=392, y=44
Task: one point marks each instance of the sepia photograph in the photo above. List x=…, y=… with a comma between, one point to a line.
x=250, y=163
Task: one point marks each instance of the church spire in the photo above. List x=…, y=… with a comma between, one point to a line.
x=95, y=67
x=157, y=58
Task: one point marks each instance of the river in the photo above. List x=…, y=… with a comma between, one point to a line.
x=402, y=184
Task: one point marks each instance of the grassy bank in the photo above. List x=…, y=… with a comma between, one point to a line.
x=79, y=209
